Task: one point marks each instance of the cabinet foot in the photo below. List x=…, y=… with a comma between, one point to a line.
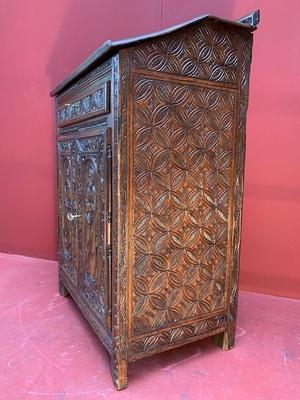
x=119, y=373
x=63, y=291
x=225, y=340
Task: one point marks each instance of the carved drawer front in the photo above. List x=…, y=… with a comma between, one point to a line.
x=86, y=102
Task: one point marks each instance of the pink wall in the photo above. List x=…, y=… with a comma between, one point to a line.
x=42, y=41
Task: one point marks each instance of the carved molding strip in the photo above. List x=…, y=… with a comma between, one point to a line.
x=120, y=315
x=174, y=336
x=86, y=128
x=183, y=155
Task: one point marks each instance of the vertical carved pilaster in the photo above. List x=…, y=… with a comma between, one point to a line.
x=119, y=261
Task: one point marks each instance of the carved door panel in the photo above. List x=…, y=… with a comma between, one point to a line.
x=94, y=223
x=66, y=205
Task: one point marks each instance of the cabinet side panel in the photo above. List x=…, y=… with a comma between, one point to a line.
x=186, y=138
x=207, y=51
x=182, y=152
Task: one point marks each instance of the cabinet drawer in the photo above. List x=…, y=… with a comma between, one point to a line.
x=88, y=102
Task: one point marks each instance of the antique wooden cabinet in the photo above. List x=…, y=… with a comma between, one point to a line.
x=150, y=161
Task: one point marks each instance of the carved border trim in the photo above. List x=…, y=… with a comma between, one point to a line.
x=245, y=47
x=150, y=344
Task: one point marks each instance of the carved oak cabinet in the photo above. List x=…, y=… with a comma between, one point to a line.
x=150, y=161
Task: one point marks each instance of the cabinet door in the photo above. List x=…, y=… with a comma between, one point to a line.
x=66, y=157
x=94, y=232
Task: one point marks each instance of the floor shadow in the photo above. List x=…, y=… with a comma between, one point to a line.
x=166, y=361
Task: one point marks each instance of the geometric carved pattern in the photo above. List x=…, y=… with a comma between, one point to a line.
x=183, y=153
x=67, y=250
x=205, y=52
x=149, y=343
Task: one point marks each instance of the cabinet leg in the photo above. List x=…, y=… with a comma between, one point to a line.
x=119, y=372
x=62, y=289
x=225, y=339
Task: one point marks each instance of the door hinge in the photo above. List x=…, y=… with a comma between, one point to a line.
x=109, y=217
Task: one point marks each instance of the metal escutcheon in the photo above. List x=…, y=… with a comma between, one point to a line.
x=71, y=216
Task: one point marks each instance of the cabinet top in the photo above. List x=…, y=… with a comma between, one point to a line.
x=108, y=48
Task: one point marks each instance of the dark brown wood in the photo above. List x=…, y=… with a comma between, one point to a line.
x=87, y=104
x=251, y=19
x=109, y=47
x=150, y=189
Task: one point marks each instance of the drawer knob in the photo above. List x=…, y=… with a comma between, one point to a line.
x=71, y=216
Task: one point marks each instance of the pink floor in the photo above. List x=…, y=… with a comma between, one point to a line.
x=48, y=351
